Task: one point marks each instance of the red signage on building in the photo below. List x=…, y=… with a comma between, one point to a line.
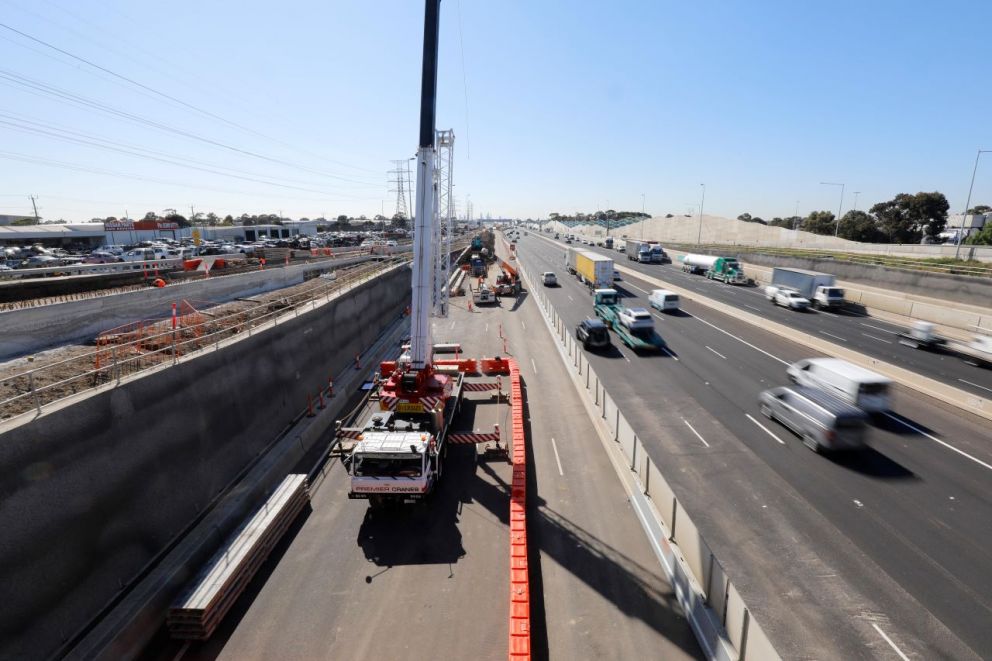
x=155, y=225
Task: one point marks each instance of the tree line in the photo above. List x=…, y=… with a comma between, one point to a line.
x=906, y=218
x=609, y=214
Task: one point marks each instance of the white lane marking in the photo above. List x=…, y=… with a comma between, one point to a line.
x=874, y=337
x=523, y=324
x=715, y=351
x=739, y=339
x=891, y=644
x=834, y=336
x=766, y=429
x=637, y=288
x=670, y=354
x=452, y=324
x=975, y=384
x=934, y=438
x=695, y=432
x=858, y=503
x=534, y=365
x=487, y=328
x=752, y=307
x=884, y=330
x=554, y=446
x=570, y=298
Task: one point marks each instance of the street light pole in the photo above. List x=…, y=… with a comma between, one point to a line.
x=841, y=207
x=795, y=218
x=856, y=193
x=964, y=216
x=642, y=216
x=699, y=235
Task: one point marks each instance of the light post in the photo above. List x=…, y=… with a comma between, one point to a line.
x=642, y=216
x=856, y=193
x=699, y=234
x=964, y=216
x=841, y=207
x=795, y=218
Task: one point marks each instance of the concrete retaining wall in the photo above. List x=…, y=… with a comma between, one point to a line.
x=960, y=288
x=717, y=229
x=33, y=329
x=90, y=493
x=948, y=314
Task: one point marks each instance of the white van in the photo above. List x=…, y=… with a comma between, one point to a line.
x=664, y=300
x=865, y=389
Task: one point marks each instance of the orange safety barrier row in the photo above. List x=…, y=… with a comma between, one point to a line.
x=495, y=365
x=466, y=365
x=519, y=648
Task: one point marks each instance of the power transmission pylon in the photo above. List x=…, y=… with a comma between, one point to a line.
x=400, y=184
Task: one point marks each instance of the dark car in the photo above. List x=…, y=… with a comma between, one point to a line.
x=593, y=334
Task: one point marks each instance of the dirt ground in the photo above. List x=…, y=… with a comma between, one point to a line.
x=31, y=381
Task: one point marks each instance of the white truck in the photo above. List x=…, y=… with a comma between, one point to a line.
x=977, y=352
x=638, y=251
x=819, y=288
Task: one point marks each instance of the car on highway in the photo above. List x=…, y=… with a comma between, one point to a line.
x=788, y=298
x=549, y=279
x=664, y=300
x=592, y=333
x=824, y=422
x=855, y=385
x=635, y=318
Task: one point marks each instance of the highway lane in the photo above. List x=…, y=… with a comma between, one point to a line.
x=599, y=585
x=433, y=582
x=911, y=507
x=870, y=335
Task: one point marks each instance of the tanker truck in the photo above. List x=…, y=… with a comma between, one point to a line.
x=727, y=269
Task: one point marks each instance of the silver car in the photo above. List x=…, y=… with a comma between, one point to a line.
x=824, y=422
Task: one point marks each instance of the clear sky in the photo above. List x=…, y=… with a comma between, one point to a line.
x=559, y=106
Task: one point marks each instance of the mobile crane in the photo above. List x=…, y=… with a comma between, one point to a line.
x=400, y=449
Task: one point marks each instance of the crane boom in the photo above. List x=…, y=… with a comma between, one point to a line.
x=423, y=285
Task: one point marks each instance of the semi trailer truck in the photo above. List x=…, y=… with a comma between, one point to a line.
x=593, y=269
x=727, y=269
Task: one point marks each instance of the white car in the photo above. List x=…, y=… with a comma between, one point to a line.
x=789, y=298
x=636, y=318
x=664, y=300
x=549, y=278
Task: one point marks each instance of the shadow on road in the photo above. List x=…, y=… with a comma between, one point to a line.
x=899, y=424
x=869, y=461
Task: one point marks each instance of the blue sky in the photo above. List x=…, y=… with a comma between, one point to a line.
x=570, y=105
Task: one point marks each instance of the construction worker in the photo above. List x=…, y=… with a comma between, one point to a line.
x=158, y=282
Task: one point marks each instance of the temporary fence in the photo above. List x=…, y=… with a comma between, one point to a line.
x=144, y=345
x=717, y=613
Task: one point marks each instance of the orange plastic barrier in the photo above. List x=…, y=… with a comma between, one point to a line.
x=495, y=366
x=466, y=365
x=192, y=264
x=519, y=643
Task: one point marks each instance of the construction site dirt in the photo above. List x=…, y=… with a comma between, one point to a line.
x=31, y=382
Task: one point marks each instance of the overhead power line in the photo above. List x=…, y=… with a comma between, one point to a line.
x=24, y=125
x=79, y=100
x=76, y=167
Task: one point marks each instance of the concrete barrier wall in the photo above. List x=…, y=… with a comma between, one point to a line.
x=720, y=619
x=33, y=329
x=732, y=232
x=959, y=288
x=949, y=314
x=90, y=493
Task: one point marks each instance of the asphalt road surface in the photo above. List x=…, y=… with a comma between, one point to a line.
x=432, y=582
x=847, y=557
x=849, y=328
